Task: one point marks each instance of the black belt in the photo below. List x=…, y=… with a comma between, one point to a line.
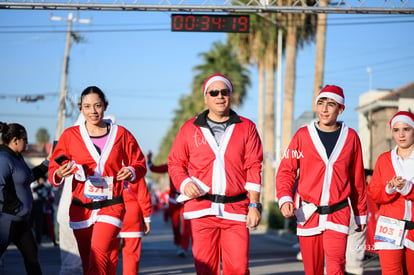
x=224, y=199
x=409, y=225
x=329, y=209
x=97, y=204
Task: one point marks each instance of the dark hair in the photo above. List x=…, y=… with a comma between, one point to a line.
x=93, y=90
x=10, y=131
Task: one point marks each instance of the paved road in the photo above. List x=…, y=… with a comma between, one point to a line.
x=269, y=254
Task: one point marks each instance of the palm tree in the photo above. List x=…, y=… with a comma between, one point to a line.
x=221, y=58
x=263, y=39
x=300, y=29
x=259, y=47
x=320, y=52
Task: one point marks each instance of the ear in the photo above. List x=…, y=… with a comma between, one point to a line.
x=80, y=107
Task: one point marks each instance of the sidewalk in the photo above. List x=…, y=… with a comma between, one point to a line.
x=269, y=254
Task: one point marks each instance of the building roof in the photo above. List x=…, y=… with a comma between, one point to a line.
x=388, y=100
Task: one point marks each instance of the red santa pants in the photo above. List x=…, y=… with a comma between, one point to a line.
x=330, y=245
x=180, y=227
x=397, y=262
x=131, y=254
x=216, y=238
x=95, y=244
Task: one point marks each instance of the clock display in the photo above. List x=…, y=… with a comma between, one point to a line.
x=209, y=23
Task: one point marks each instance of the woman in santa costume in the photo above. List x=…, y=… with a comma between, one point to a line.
x=137, y=223
x=325, y=158
x=392, y=188
x=98, y=156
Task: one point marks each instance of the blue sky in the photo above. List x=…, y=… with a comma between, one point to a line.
x=146, y=69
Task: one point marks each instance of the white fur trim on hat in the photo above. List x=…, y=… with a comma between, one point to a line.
x=218, y=78
x=402, y=118
x=333, y=96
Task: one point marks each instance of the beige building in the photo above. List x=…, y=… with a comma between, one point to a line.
x=375, y=109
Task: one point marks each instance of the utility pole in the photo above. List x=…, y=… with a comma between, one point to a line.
x=63, y=89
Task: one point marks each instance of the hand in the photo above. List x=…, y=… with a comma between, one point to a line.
x=124, y=174
x=397, y=182
x=149, y=156
x=65, y=170
x=253, y=217
x=360, y=228
x=191, y=190
x=147, y=228
x=287, y=209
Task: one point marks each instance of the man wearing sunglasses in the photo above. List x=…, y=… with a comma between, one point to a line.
x=215, y=163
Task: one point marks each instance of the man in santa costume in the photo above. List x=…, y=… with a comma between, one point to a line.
x=215, y=163
x=326, y=159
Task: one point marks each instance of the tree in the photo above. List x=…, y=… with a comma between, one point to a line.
x=300, y=29
x=42, y=136
x=221, y=58
x=260, y=47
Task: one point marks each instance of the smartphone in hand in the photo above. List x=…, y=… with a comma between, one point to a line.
x=62, y=159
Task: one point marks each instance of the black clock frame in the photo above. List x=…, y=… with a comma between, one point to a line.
x=210, y=23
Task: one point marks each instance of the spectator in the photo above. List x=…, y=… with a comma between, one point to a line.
x=16, y=196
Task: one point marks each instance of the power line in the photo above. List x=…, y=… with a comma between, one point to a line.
x=169, y=29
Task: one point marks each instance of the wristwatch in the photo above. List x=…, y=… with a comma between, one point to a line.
x=257, y=205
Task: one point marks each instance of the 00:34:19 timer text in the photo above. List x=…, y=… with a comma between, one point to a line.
x=210, y=23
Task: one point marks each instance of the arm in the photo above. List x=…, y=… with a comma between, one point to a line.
x=253, y=164
x=254, y=215
x=383, y=173
x=57, y=173
x=134, y=160
x=163, y=168
x=178, y=161
x=144, y=202
x=358, y=194
x=285, y=178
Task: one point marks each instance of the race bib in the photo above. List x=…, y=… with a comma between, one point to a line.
x=389, y=230
x=99, y=188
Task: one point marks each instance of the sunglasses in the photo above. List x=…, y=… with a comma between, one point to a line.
x=224, y=92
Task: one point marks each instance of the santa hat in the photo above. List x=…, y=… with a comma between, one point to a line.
x=402, y=116
x=333, y=92
x=217, y=77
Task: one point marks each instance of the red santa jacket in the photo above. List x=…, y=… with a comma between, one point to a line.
x=138, y=206
x=121, y=149
x=231, y=169
x=393, y=204
x=324, y=181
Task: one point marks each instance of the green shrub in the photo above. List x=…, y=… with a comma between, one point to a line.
x=276, y=219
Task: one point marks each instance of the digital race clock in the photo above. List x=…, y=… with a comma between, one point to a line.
x=209, y=23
